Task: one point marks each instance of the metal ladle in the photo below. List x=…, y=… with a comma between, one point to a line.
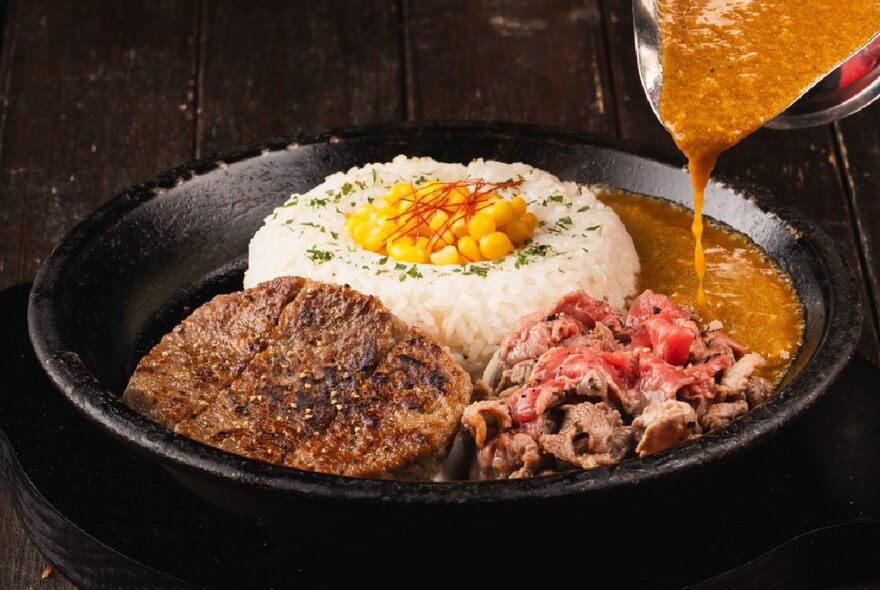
x=834, y=97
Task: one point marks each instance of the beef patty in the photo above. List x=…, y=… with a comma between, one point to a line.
x=308, y=375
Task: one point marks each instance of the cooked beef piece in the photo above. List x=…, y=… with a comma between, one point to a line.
x=590, y=435
x=517, y=375
x=665, y=424
x=736, y=375
x=575, y=314
x=757, y=391
x=481, y=417
x=718, y=416
x=599, y=338
x=509, y=455
x=329, y=381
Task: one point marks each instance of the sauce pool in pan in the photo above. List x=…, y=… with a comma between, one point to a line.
x=752, y=297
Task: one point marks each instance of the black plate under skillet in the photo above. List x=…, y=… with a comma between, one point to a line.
x=129, y=272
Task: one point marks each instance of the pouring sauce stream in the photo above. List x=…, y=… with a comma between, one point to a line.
x=729, y=66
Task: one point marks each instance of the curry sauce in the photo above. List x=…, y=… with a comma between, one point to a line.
x=753, y=299
x=729, y=66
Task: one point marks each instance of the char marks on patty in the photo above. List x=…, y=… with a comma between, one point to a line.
x=331, y=381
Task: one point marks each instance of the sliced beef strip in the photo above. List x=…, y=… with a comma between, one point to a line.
x=510, y=455
x=591, y=434
x=517, y=375
x=736, y=376
x=485, y=419
x=665, y=424
x=573, y=315
x=599, y=338
x=757, y=391
x=340, y=386
x=537, y=338
x=720, y=415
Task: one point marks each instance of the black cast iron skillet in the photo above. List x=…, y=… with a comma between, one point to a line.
x=134, y=268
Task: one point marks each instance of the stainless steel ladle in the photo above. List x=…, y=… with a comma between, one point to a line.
x=833, y=97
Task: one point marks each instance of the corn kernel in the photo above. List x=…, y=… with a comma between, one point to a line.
x=361, y=231
x=518, y=205
x=446, y=255
x=398, y=191
x=438, y=220
x=459, y=227
x=364, y=210
x=405, y=241
x=495, y=245
x=480, y=225
x=422, y=242
x=467, y=247
x=500, y=211
x=374, y=240
x=405, y=253
x=458, y=194
x=518, y=231
x=529, y=218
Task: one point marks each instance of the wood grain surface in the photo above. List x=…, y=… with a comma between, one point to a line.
x=99, y=94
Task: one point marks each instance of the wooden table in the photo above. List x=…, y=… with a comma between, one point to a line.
x=98, y=95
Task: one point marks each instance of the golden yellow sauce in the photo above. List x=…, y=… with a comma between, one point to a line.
x=729, y=66
x=752, y=298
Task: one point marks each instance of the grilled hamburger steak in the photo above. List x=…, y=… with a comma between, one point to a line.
x=308, y=375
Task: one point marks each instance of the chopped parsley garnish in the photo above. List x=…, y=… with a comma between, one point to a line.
x=317, y=202
x=346, y=188
x=480, y=270
x=584, y=208
x=335, y=235
x=555, y=199
x=315, y=225
x=399, y=266
x=294, y=200
x=595, y=228
x=564, y=221
x=374, y=173
x=319, y=256
x=383, y=260
x=526, y=255
x=412, y=272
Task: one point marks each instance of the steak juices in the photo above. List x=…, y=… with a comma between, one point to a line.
x=729, y=66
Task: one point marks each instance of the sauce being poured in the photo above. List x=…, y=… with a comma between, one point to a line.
x=753, y=299
x=729, y=66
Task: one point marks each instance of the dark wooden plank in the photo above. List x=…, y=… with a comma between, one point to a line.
x=800, y=167
x=99, y=96
x=275, y=67
x=859, y=140
x=21, y=565
x=519, y=60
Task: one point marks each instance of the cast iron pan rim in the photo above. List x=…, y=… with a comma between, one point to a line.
x=70, y=375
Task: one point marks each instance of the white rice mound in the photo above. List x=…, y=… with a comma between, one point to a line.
x=579, y=244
